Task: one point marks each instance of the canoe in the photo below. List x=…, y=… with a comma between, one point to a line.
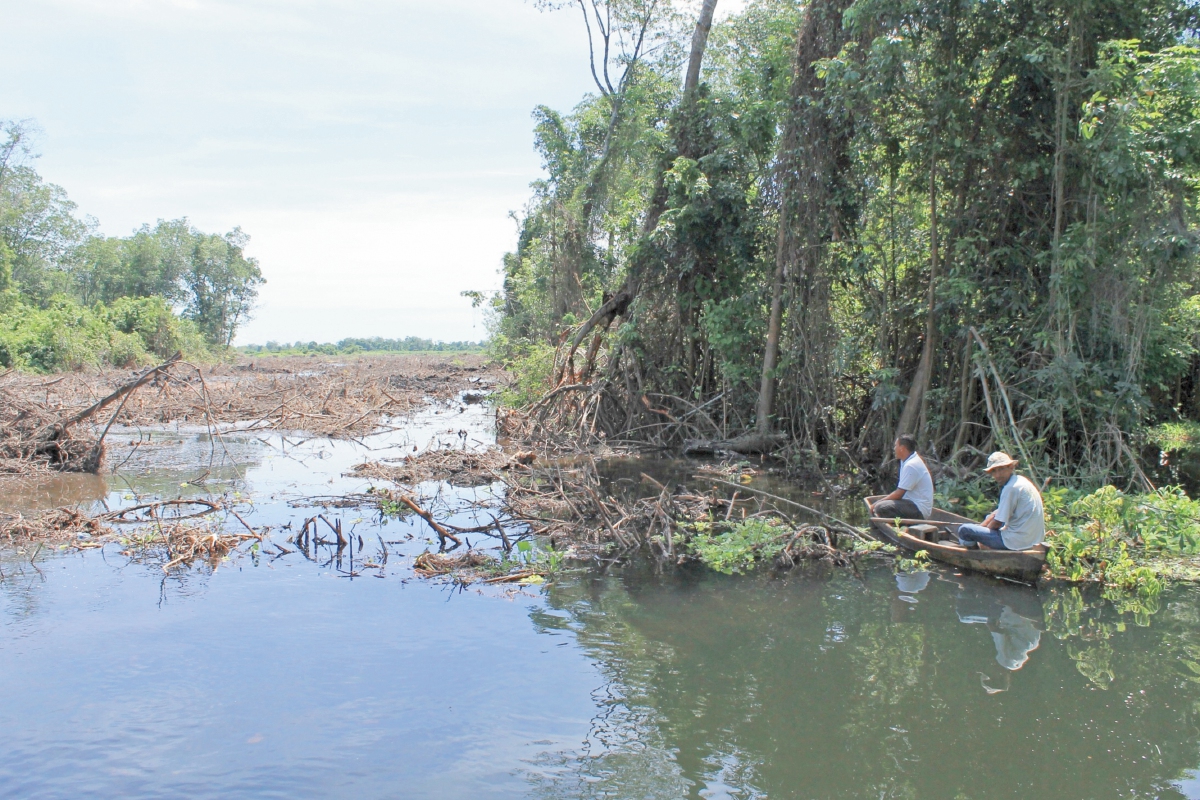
x=937, y=536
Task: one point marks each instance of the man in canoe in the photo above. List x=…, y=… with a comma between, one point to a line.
x=1018, y=523
x=913, y=498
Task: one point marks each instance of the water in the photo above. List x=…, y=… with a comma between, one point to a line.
x=284, y=677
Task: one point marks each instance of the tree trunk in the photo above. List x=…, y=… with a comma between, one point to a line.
x=810, y=162
x=620, y=300
x=924, y=375
x=699, y=42
x=766, y=391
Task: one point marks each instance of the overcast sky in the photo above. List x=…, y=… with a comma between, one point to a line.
x=372, y=149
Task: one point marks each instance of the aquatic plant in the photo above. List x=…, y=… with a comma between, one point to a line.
x=745, y=545
x=1128, y=542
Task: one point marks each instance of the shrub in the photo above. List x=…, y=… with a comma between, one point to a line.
x=65, y=335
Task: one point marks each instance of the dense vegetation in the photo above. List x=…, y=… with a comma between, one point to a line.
x=375, y=344
x=971, y=221
x=71, y=297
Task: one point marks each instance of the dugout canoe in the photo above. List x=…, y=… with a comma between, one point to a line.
x=937, y=536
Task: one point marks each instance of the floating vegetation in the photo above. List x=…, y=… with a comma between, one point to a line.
x=754, y=542
x=54, y=525
x=1127, y=542
x=181, y=544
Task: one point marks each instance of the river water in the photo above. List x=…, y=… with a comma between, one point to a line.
x=302, y=675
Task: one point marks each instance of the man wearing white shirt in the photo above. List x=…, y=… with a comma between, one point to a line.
x=913, y=498
x=1019, y=522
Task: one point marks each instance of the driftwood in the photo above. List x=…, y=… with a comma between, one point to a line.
x=141, y=380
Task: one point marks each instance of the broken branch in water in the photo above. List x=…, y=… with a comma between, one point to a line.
x=121, y=515
x=442, y=533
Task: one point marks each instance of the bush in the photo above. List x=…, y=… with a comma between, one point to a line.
x=66, y=335
x=532, y=368
x=1118, y=539
x=159, y=330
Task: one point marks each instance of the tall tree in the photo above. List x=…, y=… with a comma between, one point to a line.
x=222, y=285
x=812, y=153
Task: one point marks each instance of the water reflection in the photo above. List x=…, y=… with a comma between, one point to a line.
x=1013, y=615
x=23, y=495
x=627, y=684
x=812, y=687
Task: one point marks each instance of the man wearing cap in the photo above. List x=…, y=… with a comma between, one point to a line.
x=1018, y=522
x=913, y=498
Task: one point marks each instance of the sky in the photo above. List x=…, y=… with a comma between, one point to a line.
x=374, y=150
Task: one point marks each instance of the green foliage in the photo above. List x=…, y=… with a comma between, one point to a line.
x=1175, y=437
x=1059, y=161
x=531, y=367
x=1115, y=538
x=65, y=335
x=745, y=545
x=85, y=299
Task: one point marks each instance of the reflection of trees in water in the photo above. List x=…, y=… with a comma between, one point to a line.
x=811, y=688
x=626, y=753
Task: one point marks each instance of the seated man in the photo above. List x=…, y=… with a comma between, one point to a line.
x=913, y=498
x=1018, y=522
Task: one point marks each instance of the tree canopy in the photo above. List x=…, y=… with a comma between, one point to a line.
x=969, y=221
x=52, y=263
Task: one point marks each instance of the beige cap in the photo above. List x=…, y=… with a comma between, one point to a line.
x=999, y=459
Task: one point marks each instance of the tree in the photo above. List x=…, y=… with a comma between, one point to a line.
x=812, y=158
x=221, y=284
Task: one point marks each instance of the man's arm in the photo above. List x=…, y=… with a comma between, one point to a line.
x=896, y=495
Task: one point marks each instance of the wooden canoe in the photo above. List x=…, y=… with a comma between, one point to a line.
x=942, y=545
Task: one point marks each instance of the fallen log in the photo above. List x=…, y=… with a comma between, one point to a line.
x=748, y=444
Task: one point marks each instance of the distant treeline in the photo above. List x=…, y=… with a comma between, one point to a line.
x=72, y=297
x=376, y=344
